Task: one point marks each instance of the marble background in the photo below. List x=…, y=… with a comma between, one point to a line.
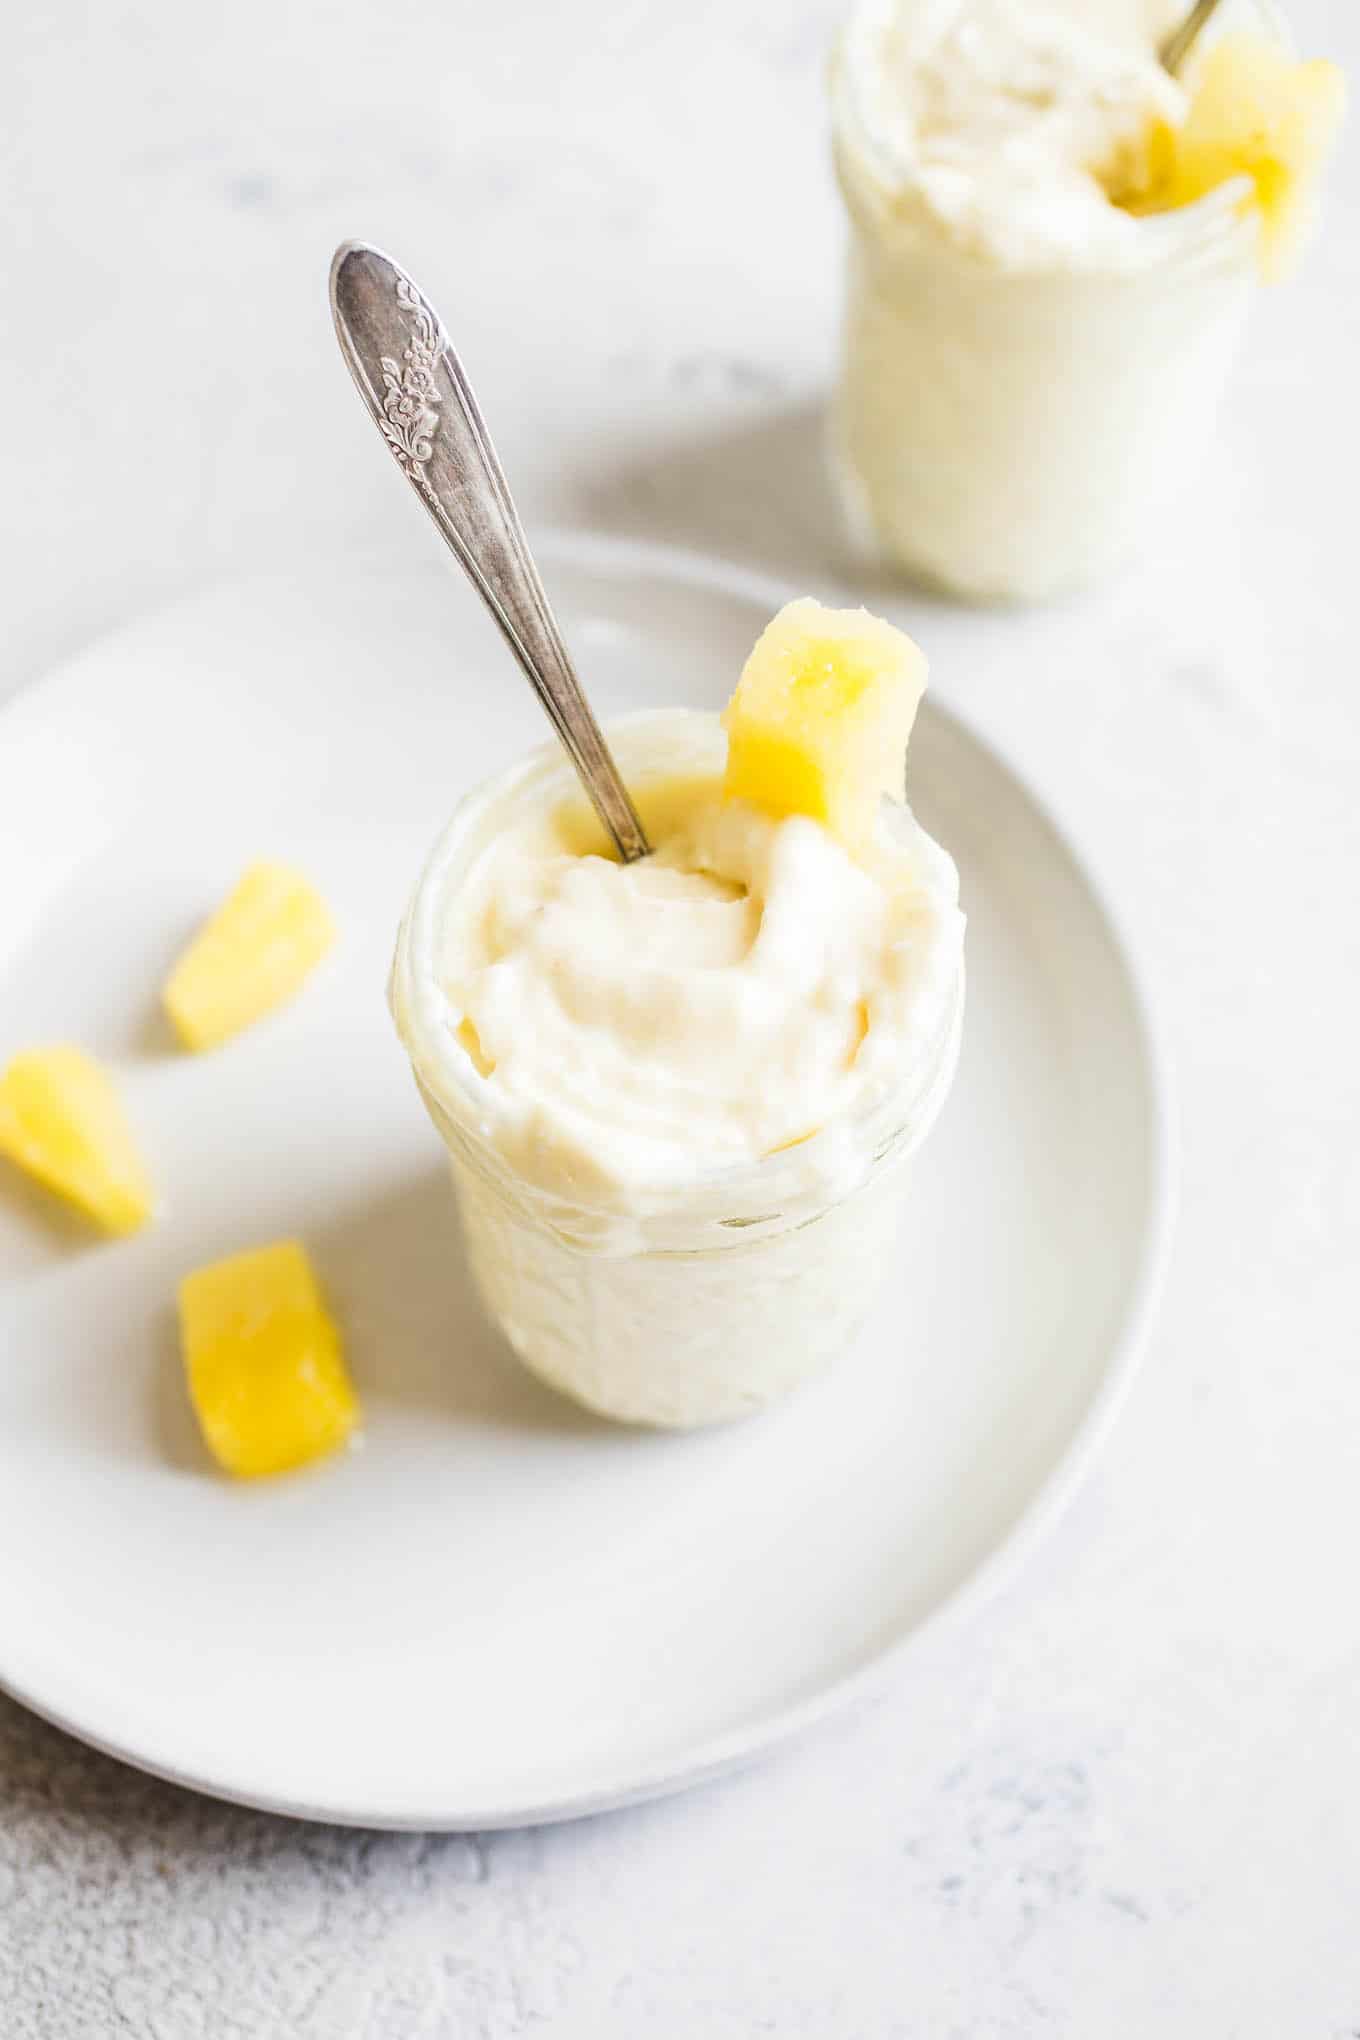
x=1125, y=1800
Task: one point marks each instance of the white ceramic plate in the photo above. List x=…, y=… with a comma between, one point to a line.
x=498, y=1610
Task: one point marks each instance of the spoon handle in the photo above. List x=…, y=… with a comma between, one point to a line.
x=418, y=396
x=1178, y=45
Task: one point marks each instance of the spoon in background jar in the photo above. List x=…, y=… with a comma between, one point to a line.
x=415, y=391
x=1173, y=52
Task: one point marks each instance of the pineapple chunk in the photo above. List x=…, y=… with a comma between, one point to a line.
x=820, y=720
x=264, y=1362
x=60, y=1118
x=1254, y=112
x=266, y=937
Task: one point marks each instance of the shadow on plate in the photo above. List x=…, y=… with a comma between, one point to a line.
x=152, y=1038
x=38, y=1229
x=757, y=493
x=175, y=1433
x=396, y=1272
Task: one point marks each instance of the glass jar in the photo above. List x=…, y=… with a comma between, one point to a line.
x=679, y=1305
x=1007, y=434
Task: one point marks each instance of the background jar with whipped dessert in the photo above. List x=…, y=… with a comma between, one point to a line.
x=671, y=1305
x=1006, y=427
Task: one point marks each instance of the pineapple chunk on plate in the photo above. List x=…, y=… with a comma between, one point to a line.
x=267, y=936
x=62, y=1121
x=820, y=719
x=1255, y=112
x=264, y=1362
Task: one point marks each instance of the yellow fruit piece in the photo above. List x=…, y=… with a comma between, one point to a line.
x=264, y=1362
x=60, y=1118
x=819, y=723
x=266, y=937
x=1254, y=112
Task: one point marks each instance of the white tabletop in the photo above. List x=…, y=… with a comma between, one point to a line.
x=1122, y=1800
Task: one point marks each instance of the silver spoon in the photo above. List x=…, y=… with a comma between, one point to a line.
x=1178, y=45
x=419, y=398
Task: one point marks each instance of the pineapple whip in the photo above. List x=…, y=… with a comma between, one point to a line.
x=678, y=1095
x=1051, y=259
x=1009, y=128
x=630, y=1028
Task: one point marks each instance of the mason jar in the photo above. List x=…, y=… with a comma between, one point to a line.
x=1007, y=433
x=671, y=1305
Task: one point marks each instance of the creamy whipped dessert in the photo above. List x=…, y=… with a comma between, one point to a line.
x=1004, y=126
x=677, y=1094
x=1054, y=244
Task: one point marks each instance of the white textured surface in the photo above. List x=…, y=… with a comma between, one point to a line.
x=1123, y=1802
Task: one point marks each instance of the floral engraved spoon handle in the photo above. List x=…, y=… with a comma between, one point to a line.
x=418, y=396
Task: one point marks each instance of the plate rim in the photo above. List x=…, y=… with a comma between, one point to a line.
x=740, y=1747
